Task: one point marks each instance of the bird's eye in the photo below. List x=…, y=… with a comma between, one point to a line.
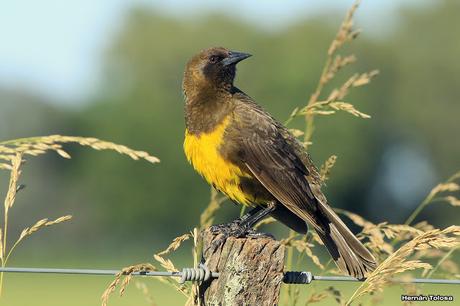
x=214, y=59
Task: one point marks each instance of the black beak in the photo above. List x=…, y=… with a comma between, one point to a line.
x=234, y=58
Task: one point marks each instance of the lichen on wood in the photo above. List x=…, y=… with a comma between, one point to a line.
x=251, y=271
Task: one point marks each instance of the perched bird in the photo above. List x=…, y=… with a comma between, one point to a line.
x=245, y=153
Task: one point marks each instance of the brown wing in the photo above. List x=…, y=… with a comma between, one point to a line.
x=276, y=165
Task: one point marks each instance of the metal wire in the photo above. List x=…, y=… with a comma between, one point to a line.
x=302, y=277
x=202, y=273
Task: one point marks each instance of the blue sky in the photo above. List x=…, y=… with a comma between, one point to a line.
x=53, y=47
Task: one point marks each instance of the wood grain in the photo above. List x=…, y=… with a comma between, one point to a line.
x=251, y=271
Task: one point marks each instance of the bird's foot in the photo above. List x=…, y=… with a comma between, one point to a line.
x=235, y=229
x=232, y=229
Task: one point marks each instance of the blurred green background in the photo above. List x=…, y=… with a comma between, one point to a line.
x=130, y=92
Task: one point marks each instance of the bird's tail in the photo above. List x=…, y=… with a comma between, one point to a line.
x=349, y=254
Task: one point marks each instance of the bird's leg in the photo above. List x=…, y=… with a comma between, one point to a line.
x=253, y=219
x=258, y=215
x=247, y=215
x=243, y=226
x=250, y=213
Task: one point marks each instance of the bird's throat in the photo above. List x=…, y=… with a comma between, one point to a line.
x=204, y=115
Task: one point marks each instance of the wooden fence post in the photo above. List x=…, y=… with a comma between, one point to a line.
x=251, y=271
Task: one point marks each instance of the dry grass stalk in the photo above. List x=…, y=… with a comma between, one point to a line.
x=127, y=274
x=338, y=63
x=196, y=252
x=349, y=108
x=448, y=186
x=357, y=219
x=334, y=101
x=175, y=244
x=6, y=150
x=296, y=133
x=377, y=233
x=452, y=200
x=399, y=230
x=27, y=232
x=430, y=253
x=12, y=151
x=334, y=63
x=39, y=145
x=167, y=264
x=194, y=296
x=424, y=226
x=325, y=169
x=14, y=177
x=345, y=32
x=398, y=262
x=376, y=240
x=315, y=238
x=40, y=225
x=4, y=166
x=15, y=173
x=453, y=269
x=303, y=247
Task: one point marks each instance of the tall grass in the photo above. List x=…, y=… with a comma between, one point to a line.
x=320, y=104
x=12, y=157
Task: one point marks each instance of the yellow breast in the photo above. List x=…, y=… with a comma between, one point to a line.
x=203, y=153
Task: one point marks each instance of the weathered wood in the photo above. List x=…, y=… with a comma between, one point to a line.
x=251, y=271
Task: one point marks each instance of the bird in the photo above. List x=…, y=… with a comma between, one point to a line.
x=245, y=153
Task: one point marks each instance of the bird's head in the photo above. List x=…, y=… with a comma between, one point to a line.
x=211, y=68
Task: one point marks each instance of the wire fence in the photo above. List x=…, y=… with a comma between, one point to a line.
x=202, y=273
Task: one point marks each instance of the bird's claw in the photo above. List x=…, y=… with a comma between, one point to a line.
x=235, y=229
x=232, y=229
